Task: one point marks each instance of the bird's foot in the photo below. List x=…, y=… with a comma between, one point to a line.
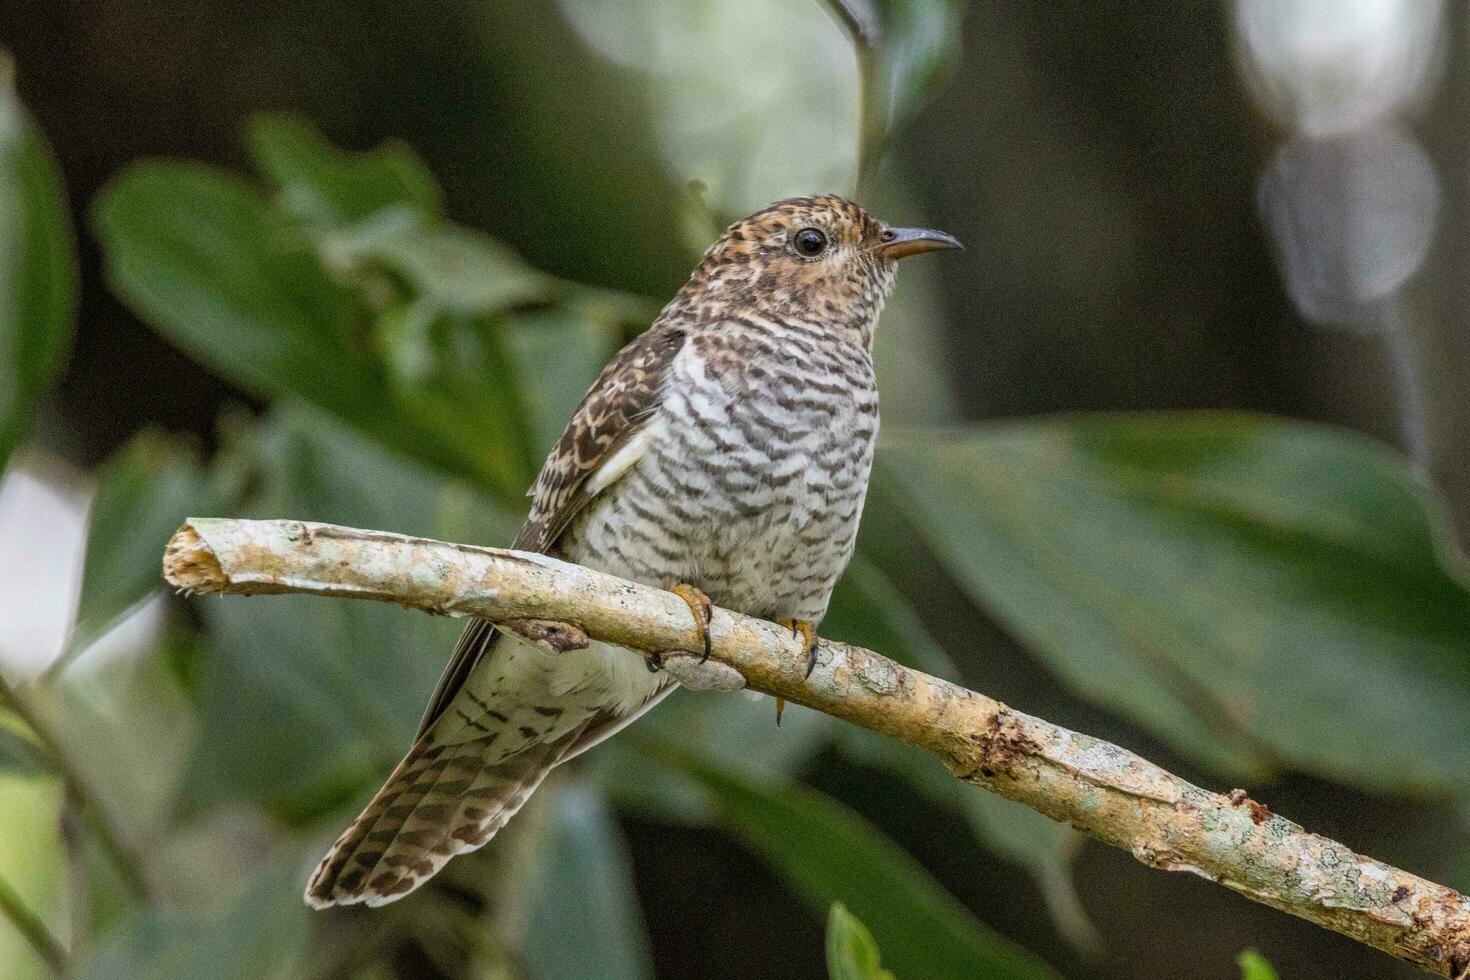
x=807, y=630
x=701, y=607
x=808, y=633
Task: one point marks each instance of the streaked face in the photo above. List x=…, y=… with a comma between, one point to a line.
x=823, y=259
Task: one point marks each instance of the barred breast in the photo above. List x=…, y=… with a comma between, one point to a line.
x=751, y=483
x=727, y=448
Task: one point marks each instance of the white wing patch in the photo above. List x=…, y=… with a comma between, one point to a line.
x=623, y=460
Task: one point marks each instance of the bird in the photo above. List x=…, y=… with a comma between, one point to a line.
x=724, y=455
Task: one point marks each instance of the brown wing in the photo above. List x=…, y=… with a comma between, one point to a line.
x=624, y=396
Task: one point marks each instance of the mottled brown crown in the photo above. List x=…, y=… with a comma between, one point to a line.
x=757, y=267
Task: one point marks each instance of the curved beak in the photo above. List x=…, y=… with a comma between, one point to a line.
x=900, y=242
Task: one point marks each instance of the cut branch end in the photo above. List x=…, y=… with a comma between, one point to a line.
x=190, y=564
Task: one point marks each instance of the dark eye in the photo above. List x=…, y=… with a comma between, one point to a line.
x=810, y=242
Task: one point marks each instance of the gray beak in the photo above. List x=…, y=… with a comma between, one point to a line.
x=897, y=243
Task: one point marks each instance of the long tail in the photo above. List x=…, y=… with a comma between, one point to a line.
x=442, y=800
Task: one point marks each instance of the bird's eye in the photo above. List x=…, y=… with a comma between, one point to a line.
x=810, y=242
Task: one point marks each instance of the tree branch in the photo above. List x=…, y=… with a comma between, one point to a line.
x=1097, y=787
x=864, y=36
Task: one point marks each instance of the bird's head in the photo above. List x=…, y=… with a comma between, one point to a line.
x=823, y=260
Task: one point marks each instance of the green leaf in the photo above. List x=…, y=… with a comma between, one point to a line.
x=449, y=267
x=453, y=379
x=868, y=610
x=331, y=188
x=852, y=953
x=200, y=255
x=1247, y=588
x=19, y=756
x=1253, y=966
x=38, y=273
x=144, y=492
x=444, y=342
x=1009, y=830
x=259, y=934
x=558, y=354
x=583, y=918
x=826, y=853
x=125, y=722
x=33, y=864
x=377, y=222
x=354, y=295
x=305, y=701
x=735, y=734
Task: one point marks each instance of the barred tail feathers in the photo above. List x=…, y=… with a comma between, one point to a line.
x=442, y=800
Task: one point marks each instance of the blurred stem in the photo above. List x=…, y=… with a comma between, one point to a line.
x=1398, y=339
x=129, y=866
x=1067, y=913
x=1101, y=789
x=29, y=925
x=872, y=121
x=74, y=844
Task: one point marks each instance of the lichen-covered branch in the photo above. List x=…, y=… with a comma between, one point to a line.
x=1096, y=787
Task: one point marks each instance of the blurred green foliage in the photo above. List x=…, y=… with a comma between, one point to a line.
x=1255, y=593
x=1230, y=582
x=37, y=266
x=827, y=854
x=852, y=953
x=1254, y=966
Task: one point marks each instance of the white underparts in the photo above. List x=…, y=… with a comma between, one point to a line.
x=622, y=460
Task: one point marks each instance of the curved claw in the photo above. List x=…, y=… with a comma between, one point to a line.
x=807, y=630
x=808, y=633
x=702, y=608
